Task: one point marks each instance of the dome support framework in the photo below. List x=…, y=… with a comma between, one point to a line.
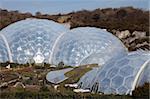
x=55, y=44
x=138, y=75
x=8, y=47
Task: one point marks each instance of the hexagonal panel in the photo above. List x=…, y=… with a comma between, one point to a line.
x=117, y=81
x=122, y=90
x=112, y=72
x=126, y=71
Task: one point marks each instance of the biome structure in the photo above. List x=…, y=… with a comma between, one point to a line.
x=41, y=40
x=45, y=41
x=119, y=75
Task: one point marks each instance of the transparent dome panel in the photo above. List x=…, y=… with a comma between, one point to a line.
x=57, y=76
x=75, y=47
x=86, y=80
x=101, y=58
x=121, y=75
x=3, y=51
x=145, y=76
x=32, y=39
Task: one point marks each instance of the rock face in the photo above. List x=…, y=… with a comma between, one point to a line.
x=138, y=34
x=123, y=34
x=133, y=40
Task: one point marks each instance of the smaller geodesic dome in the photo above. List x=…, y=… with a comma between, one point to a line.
x=76, y=46
x=57, y=76
x=120, y=76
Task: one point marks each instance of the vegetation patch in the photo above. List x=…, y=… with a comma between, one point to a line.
x=75, y=74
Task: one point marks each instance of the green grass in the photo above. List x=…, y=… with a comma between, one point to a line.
x=75, y=74
x=58, y=95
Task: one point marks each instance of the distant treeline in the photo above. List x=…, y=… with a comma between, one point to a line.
x=126, y=18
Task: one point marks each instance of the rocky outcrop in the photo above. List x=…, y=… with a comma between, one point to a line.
x=133, y=40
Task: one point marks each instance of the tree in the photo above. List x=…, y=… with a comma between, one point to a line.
x=142, y=91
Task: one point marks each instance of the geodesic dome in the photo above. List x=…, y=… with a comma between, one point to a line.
x=29, y=39
x=80, y=43
x=47, y=41
x=119, y=76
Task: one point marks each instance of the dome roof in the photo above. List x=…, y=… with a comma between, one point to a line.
x=30, y=38
x=119, y=76
x=79, y=44
x=57, y=76
x=43, y=40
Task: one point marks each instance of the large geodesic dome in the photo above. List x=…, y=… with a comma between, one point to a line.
x=42, y=40
x=75, y=47
x=119, y=76
x=29, y=39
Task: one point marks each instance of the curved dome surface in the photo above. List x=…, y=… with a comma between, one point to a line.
x=30, y=39
x=3, y=51
x=47, y=41
x=57, y=76
x=87, y=79
x=145, y=76
x=119, y=76
x=102, y=57
x=77, y=45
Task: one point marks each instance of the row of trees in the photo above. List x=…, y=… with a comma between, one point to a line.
x=127, y=18
x=9, y=17
x=117, y=18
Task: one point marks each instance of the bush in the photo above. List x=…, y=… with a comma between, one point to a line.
x=44, y=88
x=142, y=91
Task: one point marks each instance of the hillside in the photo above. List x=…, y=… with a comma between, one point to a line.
x=129, y=24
